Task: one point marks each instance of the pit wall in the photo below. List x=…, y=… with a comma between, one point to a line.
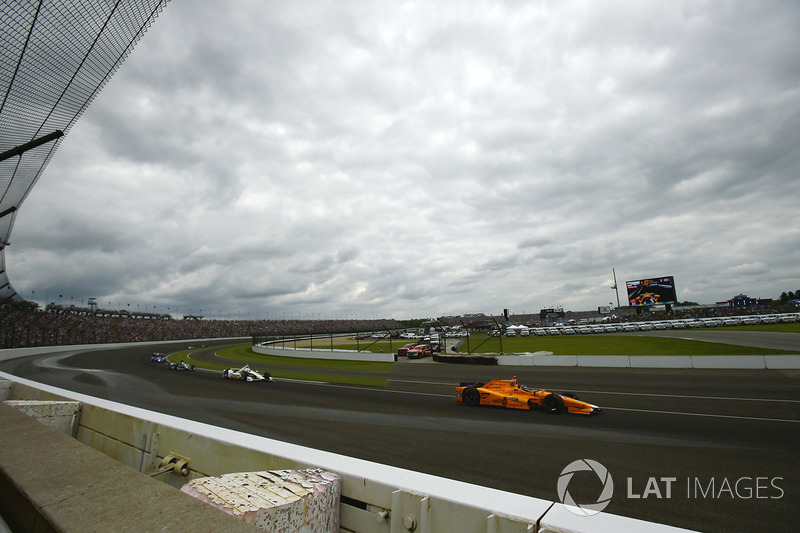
x=376, y=498
x=772, y=362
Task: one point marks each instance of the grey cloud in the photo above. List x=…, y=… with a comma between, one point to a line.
x=384, y=158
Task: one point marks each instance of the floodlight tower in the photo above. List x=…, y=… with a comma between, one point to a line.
x=614, y=286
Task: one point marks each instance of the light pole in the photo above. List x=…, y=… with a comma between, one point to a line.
x=614, y=286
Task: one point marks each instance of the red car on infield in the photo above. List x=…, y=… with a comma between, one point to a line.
x=404, y=350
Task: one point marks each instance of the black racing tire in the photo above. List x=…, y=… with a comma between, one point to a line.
x=225, y=373
x=553, y=404
x=471, y=396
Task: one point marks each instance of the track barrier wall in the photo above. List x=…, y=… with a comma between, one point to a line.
x=322, y=353
x=769, y=362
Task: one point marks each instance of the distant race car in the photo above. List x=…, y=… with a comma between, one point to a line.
x=158, y=357
x=181, y=366
x=246, y=374
x=509, y=393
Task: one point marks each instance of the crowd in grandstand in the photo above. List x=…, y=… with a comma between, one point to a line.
x=24, y=324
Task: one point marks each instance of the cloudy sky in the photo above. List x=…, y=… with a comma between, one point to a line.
x=316, y=159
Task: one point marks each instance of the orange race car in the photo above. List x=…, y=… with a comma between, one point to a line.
x=509, y=393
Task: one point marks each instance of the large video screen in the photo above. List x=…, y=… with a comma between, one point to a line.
x=653, y=291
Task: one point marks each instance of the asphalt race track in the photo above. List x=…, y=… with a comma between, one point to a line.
x=710, y=450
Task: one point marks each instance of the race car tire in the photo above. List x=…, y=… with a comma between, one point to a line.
x=569, y=395
x=225, y=373
x=553, y=403
x=471, y=396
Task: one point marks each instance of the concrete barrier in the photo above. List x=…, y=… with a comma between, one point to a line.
x=728, y=361
x=62, y=416
x=751, y=362
x=51, y=482
x=604, y=361
x=523, y=359
x=289, y=501
x=555, y=360
x=782, y=362
x=5, y=389
x=13, y=353
x=339, y=355
x=661, y=361
x=560, y=519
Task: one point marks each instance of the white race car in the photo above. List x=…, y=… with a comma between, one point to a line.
x=181, y=366
x=245, y=374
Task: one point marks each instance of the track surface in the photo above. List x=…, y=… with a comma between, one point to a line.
x=729, y=438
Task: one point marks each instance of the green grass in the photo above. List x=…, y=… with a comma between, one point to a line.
x=604, y=344
x=601, y=344
x=792, y=327
x=244, y=353
x=613, y=345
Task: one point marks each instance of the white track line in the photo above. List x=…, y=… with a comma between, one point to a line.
x=725, y=398
x=702, y=414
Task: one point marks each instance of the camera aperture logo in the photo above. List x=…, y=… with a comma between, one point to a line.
x=585, y=509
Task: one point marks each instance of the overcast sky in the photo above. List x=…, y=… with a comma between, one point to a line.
x=317, y=159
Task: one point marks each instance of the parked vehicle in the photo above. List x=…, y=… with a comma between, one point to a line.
x=419, y=351
x=404, y=350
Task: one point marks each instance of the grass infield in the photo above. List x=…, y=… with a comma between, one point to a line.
x=597, y=344
x=293, y=367
x=603, y=344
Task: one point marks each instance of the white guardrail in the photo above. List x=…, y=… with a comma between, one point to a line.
x=322, y=353
x=375, y=498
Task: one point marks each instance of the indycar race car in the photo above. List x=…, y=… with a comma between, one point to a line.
x=158, y=357
x=246, y=374
x=509, y=393
x=181, y=366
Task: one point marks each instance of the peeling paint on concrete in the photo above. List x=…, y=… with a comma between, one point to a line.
x=60, y=415
x=280, y=501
